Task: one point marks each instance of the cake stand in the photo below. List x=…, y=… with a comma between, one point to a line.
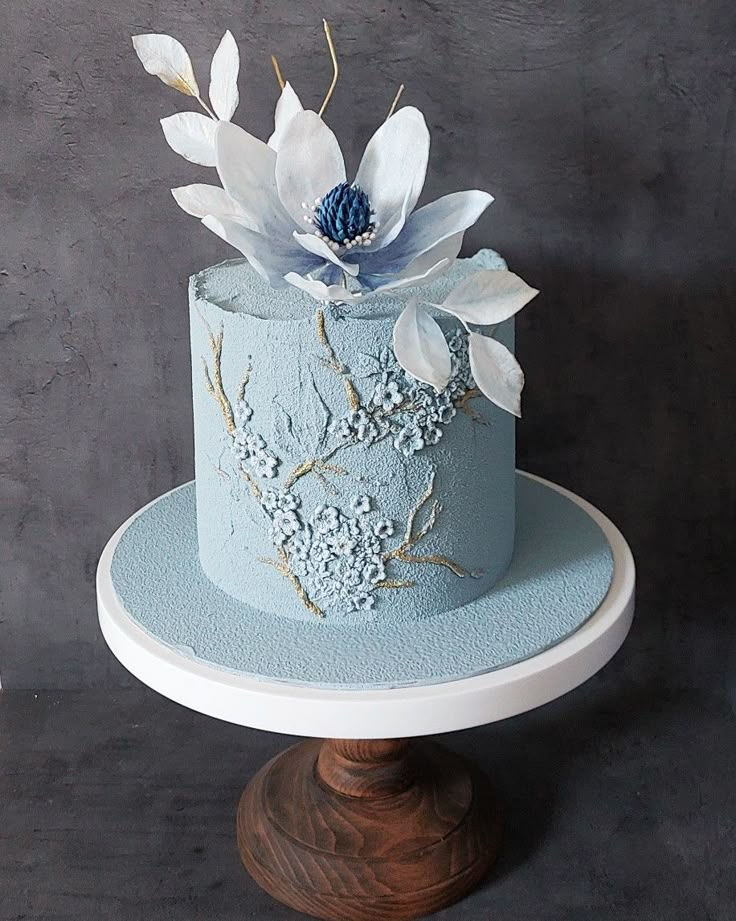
x=367, y=820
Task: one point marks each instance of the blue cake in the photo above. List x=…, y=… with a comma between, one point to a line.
x=353, y=379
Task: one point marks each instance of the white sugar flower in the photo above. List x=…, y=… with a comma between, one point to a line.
x=484, y=299
x=288, y=208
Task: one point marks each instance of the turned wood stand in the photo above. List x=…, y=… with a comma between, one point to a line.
x=351, y=830
x=375, y=823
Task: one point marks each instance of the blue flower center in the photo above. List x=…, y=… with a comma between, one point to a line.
x=343, y=216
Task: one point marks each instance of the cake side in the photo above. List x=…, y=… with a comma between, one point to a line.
x=331, y=485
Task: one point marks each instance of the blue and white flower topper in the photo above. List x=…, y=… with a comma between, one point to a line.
x=289, y=208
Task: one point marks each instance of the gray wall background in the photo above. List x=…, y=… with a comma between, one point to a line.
x=604, y=129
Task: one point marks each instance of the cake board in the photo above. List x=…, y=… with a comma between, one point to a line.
x=366, y=820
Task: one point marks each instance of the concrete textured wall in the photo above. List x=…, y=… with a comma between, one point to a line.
x=605, y=130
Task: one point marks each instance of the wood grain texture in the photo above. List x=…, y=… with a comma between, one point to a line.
x=367, y=830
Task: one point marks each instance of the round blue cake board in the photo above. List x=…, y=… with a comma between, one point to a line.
x=559, y=575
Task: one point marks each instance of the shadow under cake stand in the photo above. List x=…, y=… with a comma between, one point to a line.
x=367, y=820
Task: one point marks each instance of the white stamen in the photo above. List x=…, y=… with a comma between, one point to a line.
x=317, y=201
x=305, y=206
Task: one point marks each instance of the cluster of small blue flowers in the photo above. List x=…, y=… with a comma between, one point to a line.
x=338, y=557
x=281, y=507
x=250, y=448
x=404, y=409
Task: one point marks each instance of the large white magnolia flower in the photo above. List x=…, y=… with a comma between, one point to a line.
x=287, y=206
x=291, y=212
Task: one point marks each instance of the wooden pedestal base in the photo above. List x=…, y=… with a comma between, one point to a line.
x=367, y=830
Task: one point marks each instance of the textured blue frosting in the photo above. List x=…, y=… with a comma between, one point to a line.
x=294, y=402
x=560, y=572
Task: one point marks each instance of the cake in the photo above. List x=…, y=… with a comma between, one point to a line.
x=354, y=386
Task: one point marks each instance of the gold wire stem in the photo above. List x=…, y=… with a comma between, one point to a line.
x=277, y=71
x=395, y=102
x=335, y=66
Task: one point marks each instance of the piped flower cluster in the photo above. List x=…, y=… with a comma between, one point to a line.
x=410, y=413
x=366, y=236
x=337, y=556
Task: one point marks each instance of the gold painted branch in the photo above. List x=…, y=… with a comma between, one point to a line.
x=319, y=466
x=462, y=405
x=333, y=362
x=214, y=383
x=412, y=537
x=281, y=565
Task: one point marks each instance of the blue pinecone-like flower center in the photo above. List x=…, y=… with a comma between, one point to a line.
x=344, y=215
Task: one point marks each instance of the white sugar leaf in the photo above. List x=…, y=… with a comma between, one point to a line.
x=192, y=135
x=421, y=348
x=496, y=372
x=224, y=78
x=167, y=59
x=488, y=297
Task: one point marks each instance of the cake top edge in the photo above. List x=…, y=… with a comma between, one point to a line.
x=236, y=288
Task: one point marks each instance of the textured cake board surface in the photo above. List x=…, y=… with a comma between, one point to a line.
x=560, y=573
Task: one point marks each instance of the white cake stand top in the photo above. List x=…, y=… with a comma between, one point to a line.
x=374, y=714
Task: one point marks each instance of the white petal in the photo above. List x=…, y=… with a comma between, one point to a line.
x=309, y=163
x=394, y=165
x=224, y=78
x=314, y=244
x=421, y=348
x=496, y=372
x=272, y=259
x=408, y=279
x=488, y=297
x=192, y=136
x=426, y=228
x=322, y=292
x=167, y=59
x=201, y=199
x=246, y=168
x=286, y=108
x=444, y=250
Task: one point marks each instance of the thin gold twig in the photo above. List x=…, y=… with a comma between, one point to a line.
x=281, y=565
x=214, y=383
x=396, y=583
x=462, y=404
x=317, y=465
x=335, y=66
x=277, y=71
x=395, y=102
x=412, y=537
x=252, y=485
x=334, y=362
x=244, y=383
x=435, y=559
